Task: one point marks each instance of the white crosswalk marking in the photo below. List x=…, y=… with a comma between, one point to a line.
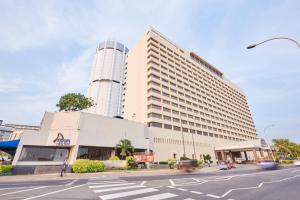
x=129, y=193
x=115, y=190
x=158, y=196
x=119, y=188
x=109, y=185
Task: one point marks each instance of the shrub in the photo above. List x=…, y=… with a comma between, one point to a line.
x=163, y=162
x=114, y=158
x=4, y=169
x=171, y=163
x=287, y=161
x=200, y=163
x=84, y=166
x=131, y=164
x=184, y=158
x=194, y=163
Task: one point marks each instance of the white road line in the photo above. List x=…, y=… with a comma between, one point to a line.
x=196, y=192
x=54, y=192
x=23, y=190
x=110, y=185
x=189, y=199
x=171, y=187
x=105, y=182
x=259, y=186
x=158, y=196
x=181, y=189
x=172, y=182
x=14, y=188
x=119, y=188
x=213, y=196
x=143, y=183
x=197, y=180
x=72, y=182
x=125, y=194
x=297, y=170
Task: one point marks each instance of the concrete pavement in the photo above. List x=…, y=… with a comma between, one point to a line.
x=240, y=183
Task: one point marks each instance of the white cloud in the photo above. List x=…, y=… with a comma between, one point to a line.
x=8, y=85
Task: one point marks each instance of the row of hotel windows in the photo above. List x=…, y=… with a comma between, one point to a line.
x=183, y=121
x=193, y=131
x=209, y=93
x=171, y=84
x=237, y=117
x=178, y=142
x=236, y=104
x=165, y=109
x=189, y=64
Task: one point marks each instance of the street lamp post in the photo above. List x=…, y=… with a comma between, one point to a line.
x=275, y=38
x=181, y=128
x=265, y=129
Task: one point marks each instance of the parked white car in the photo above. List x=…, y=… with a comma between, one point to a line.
x=297, y=163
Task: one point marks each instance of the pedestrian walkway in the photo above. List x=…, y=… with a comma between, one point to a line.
x=120, y=189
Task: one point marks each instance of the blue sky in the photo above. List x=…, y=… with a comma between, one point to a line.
x=47, y=47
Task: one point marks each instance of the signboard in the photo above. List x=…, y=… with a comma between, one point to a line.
x=143, y=157
x=61, y=141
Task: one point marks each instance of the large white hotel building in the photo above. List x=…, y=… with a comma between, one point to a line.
x=171, y=88
x=174, y=103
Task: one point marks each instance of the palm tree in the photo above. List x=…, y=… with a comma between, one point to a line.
x=125, y=147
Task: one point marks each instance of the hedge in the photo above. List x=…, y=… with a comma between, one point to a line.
x=5, y=169
x=85, y=166
x=114, y=158
x=131, y=163
x=287, y=161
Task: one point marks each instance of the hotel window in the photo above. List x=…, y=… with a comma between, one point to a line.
x=166, y=109
x=154, y=115
x=176, y=128
x=176, y=119
x=185, y=129
x=167, y=118
x=183, y=121
x=167, y=126
x=155, y=124
x=166, y=101
x=175, y=112
x=37, y=153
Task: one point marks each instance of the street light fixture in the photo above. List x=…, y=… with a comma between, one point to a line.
x=265, y=129
x=275, y=38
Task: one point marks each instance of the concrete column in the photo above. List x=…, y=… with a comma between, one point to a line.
x=73, y=154
x=269, y=155
x=245, y=153
x=255, y=155
x=261, y=153
x=223, y=155
x=230, y=155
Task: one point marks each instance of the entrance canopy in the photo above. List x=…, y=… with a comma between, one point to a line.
x=245, y=146
x=9, y=146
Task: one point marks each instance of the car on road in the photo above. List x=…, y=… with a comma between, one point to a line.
x=187, y=165
x=269, y=164
x=240, y=160
x=223, y=165
x=297, y=163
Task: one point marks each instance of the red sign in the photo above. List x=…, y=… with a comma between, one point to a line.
x=143, y=157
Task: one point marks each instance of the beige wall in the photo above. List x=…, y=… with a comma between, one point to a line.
x=168, y=142
x=135, y=84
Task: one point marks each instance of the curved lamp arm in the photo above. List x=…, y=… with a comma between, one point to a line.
x=275, y=38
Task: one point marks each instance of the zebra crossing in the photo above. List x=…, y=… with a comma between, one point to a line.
x=111, y=189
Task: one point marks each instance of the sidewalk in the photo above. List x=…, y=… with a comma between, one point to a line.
x=125, y=173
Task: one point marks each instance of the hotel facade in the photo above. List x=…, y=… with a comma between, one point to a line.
x=173, y=103
x=179, y=93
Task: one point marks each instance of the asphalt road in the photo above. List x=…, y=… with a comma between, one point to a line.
x=283, y=184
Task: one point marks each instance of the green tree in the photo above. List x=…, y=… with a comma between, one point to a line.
x=125, y=147
x=74, y=102
x=285, y=148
